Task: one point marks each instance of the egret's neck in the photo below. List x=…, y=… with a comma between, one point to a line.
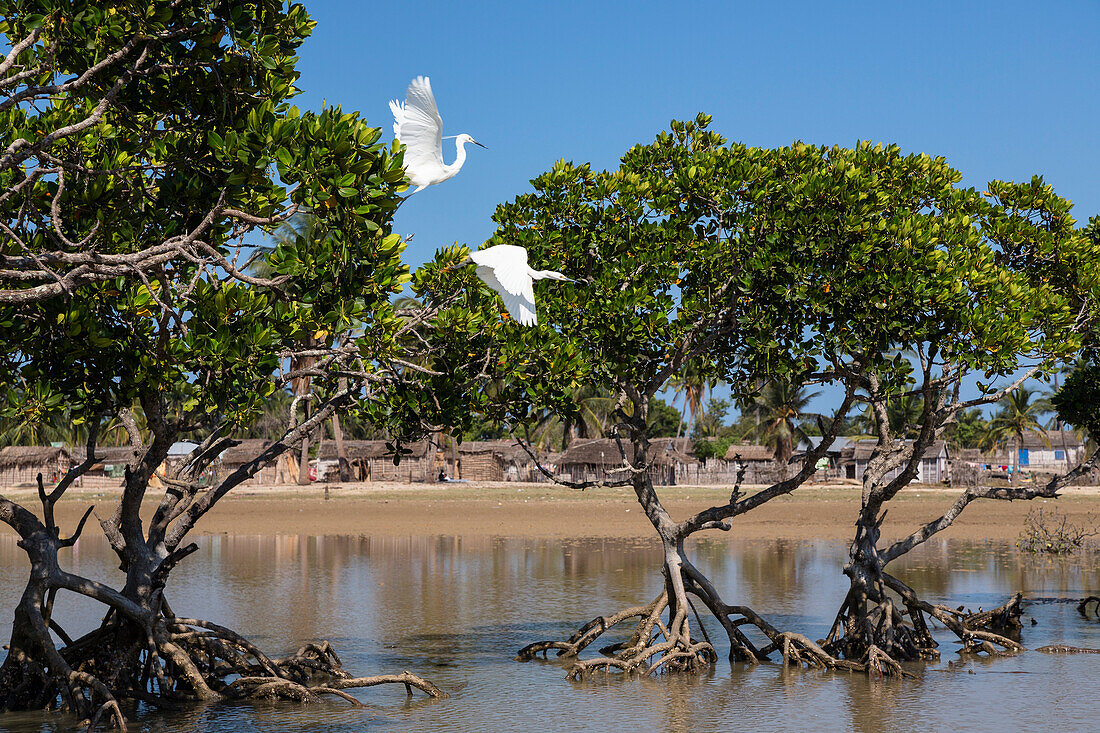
x=460, y=156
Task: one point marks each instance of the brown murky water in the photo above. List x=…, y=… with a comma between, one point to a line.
x=456, y=610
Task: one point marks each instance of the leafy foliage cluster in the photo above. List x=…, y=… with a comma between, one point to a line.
x=196, y=134
x=1078, y=401
x=1051, y=532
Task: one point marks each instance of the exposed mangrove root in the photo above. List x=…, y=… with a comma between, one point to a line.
x=652, y=648
x=113, y=713
x=655, y=647
x=1064, y=649
x=1003, y=620
x=170, y=661
x=649, y=615
x=870, y=624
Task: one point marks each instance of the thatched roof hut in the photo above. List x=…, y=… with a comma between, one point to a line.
x=114, y=455
x=591, y=460
x=749, y=452
x=360, y=450
x=246, y=450
x=21, y=464
x=371, y=460
x=110, y=469
x=490, y=460
x=971, y=455
x=605, y=452
x=1049, y=439
x=31, y=455
x=933, y=467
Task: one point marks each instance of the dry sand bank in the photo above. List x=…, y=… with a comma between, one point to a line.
x=542, y=510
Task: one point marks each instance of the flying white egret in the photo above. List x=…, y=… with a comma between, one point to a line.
x=504, y=269
x=418, y=126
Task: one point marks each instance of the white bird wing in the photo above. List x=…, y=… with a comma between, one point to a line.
x=418, y=126
x=504, y=269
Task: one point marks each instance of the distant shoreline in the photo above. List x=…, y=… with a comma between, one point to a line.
x=825, y=512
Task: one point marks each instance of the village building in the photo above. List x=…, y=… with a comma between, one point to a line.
x=934, y=466
x=1051, y=451
x=970, y=455
x=177, y=455
x=834, y=453
x=757, y=460
x=276, y=472
x=598, y=459
x=21, y=464
x=371, y=460
x=492, y=460
x=749, y=454
x=110, y=471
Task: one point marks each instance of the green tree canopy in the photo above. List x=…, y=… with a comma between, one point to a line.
x=782, y=407
x=862, y=267
x=664, y=248
x=148, y=150
x=1078, y=400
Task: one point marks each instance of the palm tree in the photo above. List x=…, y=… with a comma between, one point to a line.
x=58, y=427
x=782, y=405
x=271, y=423
x=1017, y=415
x=594, y=408
x=969, y=429
x=303, y=226
x=52, y=429
x=691, y=387
x=904, y=413
x=711, y=422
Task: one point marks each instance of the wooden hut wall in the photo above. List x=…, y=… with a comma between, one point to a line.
x=714, y=471
x=931, y=472
x=410, y=470
x=526, y=472
x=100, y=480
x=266, y=476
x=660, y=475
x=27, y=473
x=22, y=465
x=481, y=466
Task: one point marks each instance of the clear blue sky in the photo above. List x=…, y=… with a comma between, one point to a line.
x=1002, y=90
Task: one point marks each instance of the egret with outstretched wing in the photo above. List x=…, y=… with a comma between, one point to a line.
x=418, y=126
x=504, y=268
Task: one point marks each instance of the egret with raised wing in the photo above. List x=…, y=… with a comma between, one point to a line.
x=504, y=268
x=418, y=126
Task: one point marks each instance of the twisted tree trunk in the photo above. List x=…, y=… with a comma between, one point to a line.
x=141, y=649
x=662, y=639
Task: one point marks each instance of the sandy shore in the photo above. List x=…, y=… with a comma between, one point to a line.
x=542, y=510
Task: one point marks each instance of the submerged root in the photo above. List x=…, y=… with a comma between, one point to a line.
x=1003, y=620
x=112, y=712
x=653, y=647
x=799, y=650
x=314, y=670
x=868, y=630
x=177, y=660
x=1065, y=649
x=650, y=615
x=877, y=640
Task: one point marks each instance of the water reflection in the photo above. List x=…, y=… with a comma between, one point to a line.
x=457, y=609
